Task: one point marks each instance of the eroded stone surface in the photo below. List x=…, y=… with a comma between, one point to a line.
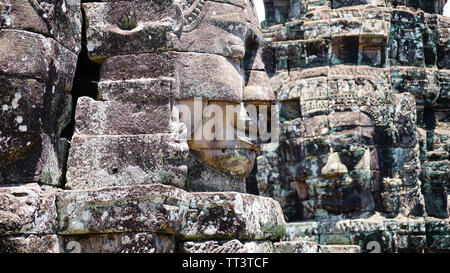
x=29, y=244
x=322, y=56
x=233, y=246
x=60, y=20
x=27, y=209
x=340, y=249
x=168, y=210
x=39, y=44
x=117, y=243
x=120, y=160
x=376, y=234
x=297, y=247
x=152, y=51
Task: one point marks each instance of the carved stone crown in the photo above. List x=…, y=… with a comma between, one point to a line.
x=346, y=92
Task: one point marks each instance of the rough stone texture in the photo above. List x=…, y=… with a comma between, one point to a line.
x=60, y=20
x=340, y=249
x=29, y=244
x=297, y=247
x=27, y=209
x=39, y=43
x=362, y=97
x=122, y=118
x=233, y=246
x=117, y=243
x=374, y=234
x=121, y=160
x=168, y=210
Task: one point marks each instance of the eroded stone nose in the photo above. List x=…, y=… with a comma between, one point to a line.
x=334, y=166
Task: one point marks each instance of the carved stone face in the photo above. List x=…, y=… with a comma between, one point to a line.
x=180, y=52
x=337, y=165
x=231, y=32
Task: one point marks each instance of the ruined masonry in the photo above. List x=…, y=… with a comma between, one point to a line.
x=98, y=126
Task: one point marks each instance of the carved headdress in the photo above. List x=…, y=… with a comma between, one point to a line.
x=346, y=88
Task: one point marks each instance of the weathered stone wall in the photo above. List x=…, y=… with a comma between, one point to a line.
x=122, y=189
x=39, y=44
x=359, y=75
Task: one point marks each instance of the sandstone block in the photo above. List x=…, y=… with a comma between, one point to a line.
x=340, y=249
x=60, y=20
x=233, y=246
x=27, y=209
x=180, y=75
x=108, y=160
x=29, y=244
x=118, y=243
x=123, y=118
x=165, y=209
x=124, y=27
x=30, y=55
x=297, y=247
x=253, y=217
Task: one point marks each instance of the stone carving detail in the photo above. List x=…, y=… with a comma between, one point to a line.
x=361, y=93
x=155, y=62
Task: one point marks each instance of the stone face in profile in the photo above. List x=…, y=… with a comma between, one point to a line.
x=173, y=52
x=39, y=43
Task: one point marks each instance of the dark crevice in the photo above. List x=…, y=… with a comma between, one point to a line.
x=252, y=182
x=85, y=81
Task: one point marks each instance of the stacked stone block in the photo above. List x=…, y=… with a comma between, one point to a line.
x=39, y=44
x=326, y=57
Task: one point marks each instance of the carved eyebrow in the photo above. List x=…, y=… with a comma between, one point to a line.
x=343, y=128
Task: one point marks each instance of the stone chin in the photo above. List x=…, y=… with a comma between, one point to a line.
x=231, y=161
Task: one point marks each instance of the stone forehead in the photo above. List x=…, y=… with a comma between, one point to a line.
x=345, y=88
x=117, y=28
